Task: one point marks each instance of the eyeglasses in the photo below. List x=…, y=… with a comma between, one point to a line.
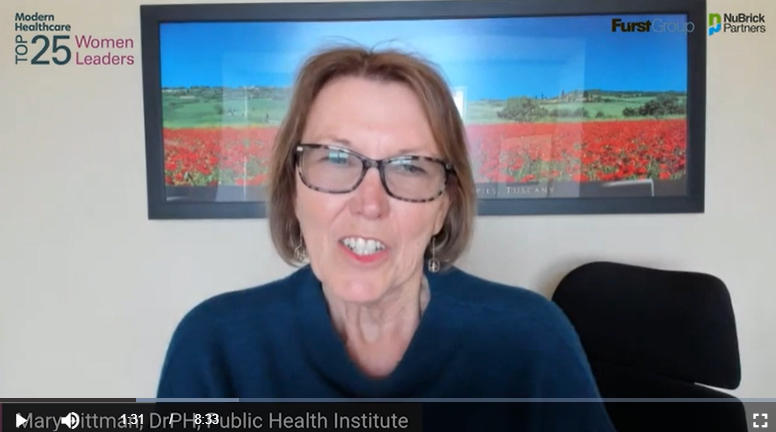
x=338, y=170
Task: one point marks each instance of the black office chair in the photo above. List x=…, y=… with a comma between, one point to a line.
x=651, y=333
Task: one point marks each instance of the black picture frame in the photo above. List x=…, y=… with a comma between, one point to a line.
x=692, y=201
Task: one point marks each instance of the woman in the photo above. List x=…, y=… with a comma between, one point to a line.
x=371, y=185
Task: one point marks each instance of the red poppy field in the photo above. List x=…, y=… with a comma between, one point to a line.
x=503, y=152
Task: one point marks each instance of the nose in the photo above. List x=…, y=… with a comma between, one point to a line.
x=370, y=199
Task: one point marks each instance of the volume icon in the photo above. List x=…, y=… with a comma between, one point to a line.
x=71, y=420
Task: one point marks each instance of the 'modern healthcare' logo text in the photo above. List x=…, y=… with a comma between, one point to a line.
x=42, y=39
x=736, y=23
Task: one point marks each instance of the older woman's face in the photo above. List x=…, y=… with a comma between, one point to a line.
x=378, y=120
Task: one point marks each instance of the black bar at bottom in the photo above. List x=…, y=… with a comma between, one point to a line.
x=225, y=416
x=547, y=416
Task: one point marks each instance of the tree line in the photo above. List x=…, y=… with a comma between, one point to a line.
x=524, y=109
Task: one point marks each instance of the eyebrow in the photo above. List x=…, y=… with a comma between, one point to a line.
x=334, y=140
x=403, y=152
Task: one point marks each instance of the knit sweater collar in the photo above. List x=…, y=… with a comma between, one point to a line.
x=422, y=361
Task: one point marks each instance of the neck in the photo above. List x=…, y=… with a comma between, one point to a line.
x=393, y=317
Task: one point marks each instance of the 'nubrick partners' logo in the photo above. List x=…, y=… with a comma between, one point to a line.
x=715, y=23
x=736, y=23
x=41, y=40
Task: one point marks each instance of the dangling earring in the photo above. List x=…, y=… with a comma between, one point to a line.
x=300, y=252
x=433, y=263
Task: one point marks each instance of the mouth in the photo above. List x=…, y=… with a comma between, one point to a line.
x=363, y=246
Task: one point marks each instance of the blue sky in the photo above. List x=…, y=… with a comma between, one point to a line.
x=491, y=58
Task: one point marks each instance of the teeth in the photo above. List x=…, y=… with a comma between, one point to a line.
x=362, y=246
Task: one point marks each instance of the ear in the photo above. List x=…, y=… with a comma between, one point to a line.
x=444, y=208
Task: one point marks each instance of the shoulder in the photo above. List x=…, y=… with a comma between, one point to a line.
x=493, y=312
x=214, y=342
x=474, y=295
x=526, y=329
x=233, y=308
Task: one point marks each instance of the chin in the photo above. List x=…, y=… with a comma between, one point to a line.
x=356, y=291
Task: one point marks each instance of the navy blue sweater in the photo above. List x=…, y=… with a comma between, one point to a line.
x=476, y=339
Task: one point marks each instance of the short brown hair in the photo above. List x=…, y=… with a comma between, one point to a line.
x=447, y=127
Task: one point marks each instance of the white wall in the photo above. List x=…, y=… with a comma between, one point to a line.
x=90, y=290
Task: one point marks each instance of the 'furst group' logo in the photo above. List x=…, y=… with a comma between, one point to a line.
x=736, y=23
x=651, y=26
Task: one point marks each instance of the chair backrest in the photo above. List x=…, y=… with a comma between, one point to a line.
x=674, y=324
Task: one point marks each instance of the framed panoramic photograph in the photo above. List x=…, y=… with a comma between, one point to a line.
x=584, y=107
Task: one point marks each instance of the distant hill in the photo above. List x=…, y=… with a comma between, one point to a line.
x=201, y=106
x=596, y=95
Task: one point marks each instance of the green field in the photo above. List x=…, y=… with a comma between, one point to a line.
x=186, y=112
x=260, y=106
x=487, y=111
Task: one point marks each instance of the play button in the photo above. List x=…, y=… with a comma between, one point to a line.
x=20, y=421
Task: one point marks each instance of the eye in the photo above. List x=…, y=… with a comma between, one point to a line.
x=409, y=167
x=336, y=157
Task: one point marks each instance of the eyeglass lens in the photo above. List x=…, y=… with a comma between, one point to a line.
x=336, y=170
